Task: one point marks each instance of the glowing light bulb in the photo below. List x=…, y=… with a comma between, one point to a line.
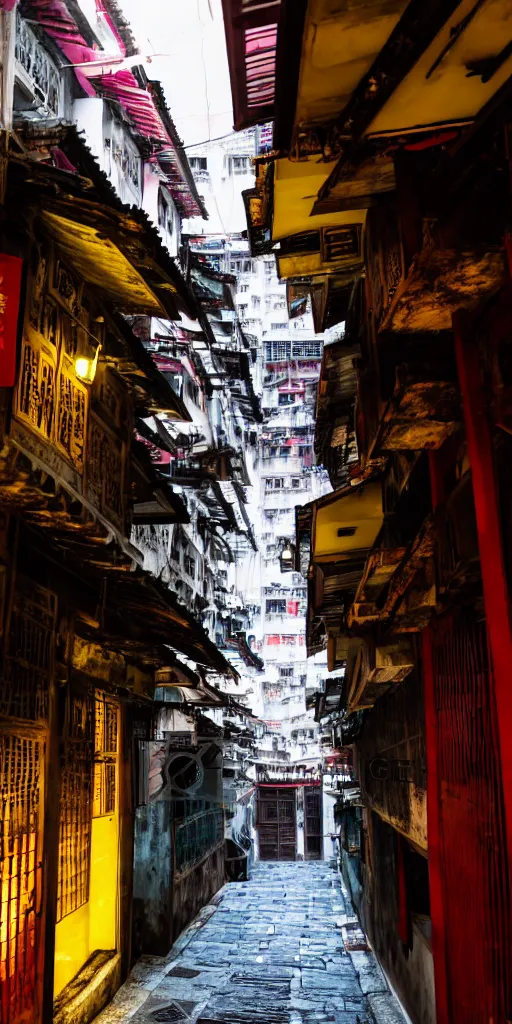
x=85, y=368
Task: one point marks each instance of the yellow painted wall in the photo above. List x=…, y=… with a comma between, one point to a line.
x=103, y=884
x=362, y=509
x=296, y=186
x=94, y=925
x=449, y=96
x=340, y=42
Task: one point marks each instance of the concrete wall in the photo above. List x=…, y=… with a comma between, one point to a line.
x=152, y=880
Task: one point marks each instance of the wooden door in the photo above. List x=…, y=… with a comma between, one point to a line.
x=313, y=823
x=276, y=823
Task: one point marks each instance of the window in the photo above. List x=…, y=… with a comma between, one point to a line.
x=190, y=566
x=244, y=288
x=296, y=483
x=256, y=301
x=279, y=327
x=198, y=163
x=286, y=673
x=278, y=483
x=339, y=243
x=275, y=606
x=307, y=349
x=242, y=309
x=240, y=165
x=277, y=351
x=285, y=399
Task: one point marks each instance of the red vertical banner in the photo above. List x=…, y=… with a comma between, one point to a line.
x=10, y=288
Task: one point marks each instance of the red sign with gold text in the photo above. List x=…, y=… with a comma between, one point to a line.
x=10, y=286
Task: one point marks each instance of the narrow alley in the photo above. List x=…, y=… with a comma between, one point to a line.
x=282, y=948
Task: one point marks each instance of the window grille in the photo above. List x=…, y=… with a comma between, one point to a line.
x=29, y=656
x=75, y=808
x=20, y=875
x=40, y=70
x=105, y=755
x=277, y=350
x=197, y=836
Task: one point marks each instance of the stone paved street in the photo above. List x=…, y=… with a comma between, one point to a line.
x=279, y=949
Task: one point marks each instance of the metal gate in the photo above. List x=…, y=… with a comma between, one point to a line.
x=469, y=818
x=276, y=823
x=313, y=838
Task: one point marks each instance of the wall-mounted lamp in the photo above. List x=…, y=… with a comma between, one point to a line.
x=287, y=558
x=85, y=368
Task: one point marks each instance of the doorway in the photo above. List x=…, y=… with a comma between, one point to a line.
x=277, y=823
x=313, y=838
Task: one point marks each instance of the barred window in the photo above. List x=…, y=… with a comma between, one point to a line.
x=75, y=807
x=105, y=755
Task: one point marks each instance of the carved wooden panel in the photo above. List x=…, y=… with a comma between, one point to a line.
x=36, y=388
x=49, y=397
x=71, y=415
x=28, y=661
x=105, y=470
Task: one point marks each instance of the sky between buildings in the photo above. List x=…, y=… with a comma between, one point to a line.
x=194, y=68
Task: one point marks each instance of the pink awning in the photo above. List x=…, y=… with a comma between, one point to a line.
x=138, y=103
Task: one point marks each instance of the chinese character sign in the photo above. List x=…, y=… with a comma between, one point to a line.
x=10, y=285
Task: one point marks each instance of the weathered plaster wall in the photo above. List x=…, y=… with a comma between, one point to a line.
x=195, y=888
x=393, y=732
x=152, y=880
x=410, y=970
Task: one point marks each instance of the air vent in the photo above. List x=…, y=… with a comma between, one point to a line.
x=346, y=531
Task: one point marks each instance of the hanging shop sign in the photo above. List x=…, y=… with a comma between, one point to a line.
x=10, y=287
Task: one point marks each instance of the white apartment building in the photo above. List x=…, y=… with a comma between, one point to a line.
x=287, y=359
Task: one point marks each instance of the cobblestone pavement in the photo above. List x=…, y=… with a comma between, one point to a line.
x=283, y=948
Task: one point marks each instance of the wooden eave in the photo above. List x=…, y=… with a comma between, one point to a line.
x=116, y=249
x=237, y=19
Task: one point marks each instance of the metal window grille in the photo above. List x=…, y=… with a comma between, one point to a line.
x=196, y=836
x=20, y=875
